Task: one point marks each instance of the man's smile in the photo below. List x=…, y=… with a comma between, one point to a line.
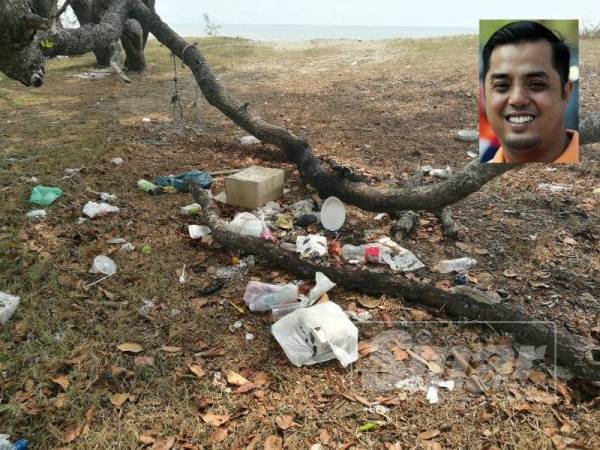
x=519, y=120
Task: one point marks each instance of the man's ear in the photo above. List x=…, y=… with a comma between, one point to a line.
x=567, y=89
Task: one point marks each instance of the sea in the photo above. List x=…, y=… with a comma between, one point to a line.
x=311, y=32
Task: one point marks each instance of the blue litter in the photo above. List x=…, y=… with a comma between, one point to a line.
x=201, y=179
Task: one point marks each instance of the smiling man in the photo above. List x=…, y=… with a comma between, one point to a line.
x=527, y=88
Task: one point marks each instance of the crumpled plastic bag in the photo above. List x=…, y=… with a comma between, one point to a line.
x=323, y=285
x=201, y=179
x=44, y=195
x=312, y=245
x=104, y=265
x=8, y=306
x=317, y=334
x=93, y=209
x=248, y=224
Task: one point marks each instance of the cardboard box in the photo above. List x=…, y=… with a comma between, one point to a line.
x=254, y=187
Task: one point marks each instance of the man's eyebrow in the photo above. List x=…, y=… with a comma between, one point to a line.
x=537, y=74
x=499, y=75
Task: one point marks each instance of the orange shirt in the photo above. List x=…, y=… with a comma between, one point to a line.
x=569, y=156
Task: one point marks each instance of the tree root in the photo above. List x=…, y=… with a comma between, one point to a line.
x=460, y=302
x=449, y=226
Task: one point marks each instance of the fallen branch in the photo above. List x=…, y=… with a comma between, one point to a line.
x=461, y=302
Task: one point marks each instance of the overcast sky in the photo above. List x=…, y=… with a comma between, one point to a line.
x=436, y=13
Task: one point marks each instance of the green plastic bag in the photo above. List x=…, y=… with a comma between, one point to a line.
x=44, y=195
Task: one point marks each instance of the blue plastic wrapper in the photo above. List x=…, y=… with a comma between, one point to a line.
x=201, y=179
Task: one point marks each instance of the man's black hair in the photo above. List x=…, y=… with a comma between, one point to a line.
x=528, y=31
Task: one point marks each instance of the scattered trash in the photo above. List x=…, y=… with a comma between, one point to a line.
x=105, y=196
x=44, y=196
x=382, y=252
x=117, y=161
x=248, y=140
x=249, y=336
x=380, y=216
x=146, y=307
x=302, y=207
x=200, y=179
x=279, y=311
x=146, y=249
x=146, y=119
x=182, y=276
x=70, y=173
x=269, y=210
x=455, y=265
x=253, y=187
x=426, y=169
x=284, y=221
x=313, y=245
x=149, y=187
x=432, y=395
x=36, y=214
x=441, y=173
x=213, y=287
x=198, y=231
x=554, y=188
x=323, y=285
x=81, y=220
x=317, y=334
x=92, y=75
x=191, y=210
x=472, y=154
x=33, y=180
x=116, y=241
x=104, y=265
x=93, y=209
x=468, y=135
x=248, y=224
x=8, y=306
x=333, y=214
x=446, y=384
x=410, y=384
x=221, y=197
x=128, y=247
x=360, y=317
x=6, y=444
x=260, y=296
x=460, y=278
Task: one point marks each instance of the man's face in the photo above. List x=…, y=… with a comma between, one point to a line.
x=524, y=102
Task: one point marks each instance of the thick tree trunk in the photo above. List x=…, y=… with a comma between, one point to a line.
x=460, y=302
x=133, y=44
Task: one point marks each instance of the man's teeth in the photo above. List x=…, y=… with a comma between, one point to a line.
x=520, y=119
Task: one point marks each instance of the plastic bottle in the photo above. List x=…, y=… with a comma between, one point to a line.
x=456, y=265
x=5, y=444
x=263, y=296
x=366, y=253
x=149, y=187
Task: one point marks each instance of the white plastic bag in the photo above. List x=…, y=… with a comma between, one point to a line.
x=313, y=245
x=8, y=306
x=93, y=209
x=323, y=284
x=198, y=231
x=317, y=334
x=248, y=224
x=260, y=296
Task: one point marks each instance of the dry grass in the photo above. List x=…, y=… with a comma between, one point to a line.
x=405, y=99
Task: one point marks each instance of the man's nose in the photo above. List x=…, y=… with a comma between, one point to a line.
x=518, y=96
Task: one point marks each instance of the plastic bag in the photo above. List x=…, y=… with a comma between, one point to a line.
x=8, y=306
x=323, y=284
x=313, y=245
x=202, y=180
x=248, y=224
x=262, y=296
x=43, y=195
x=198, y=231
x=93, y=209
x=317, y=334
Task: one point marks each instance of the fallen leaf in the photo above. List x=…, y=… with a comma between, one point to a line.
x=536, y=376
x=387, y=320
x=119, y=399
x=428, y=354
x=164, y=444
x=247, y=387
x=121, y=372
x=569, y=241
x=365, y=348
x=218, y=436
x=461, y=245
x=215, y=420
x=89, y=417
x=170, y=349
x=60, y=401
x=196, y=370
x=62, y=381
x=522, y=407
x=212, y=352
x=273, y=442
x=399, y=354
x=261, y=378
x=433, y=367
x=235, y=378
x=509, y=274
x=284, y=422
x=369, y=302
x=146, y=439
x=130, y=347
x=324, y=436
x=71, y=434
x=427, y=435
x=480, y=251
x=419, y=315
x=444, y=285
x=198, y=303
x=141, y=361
